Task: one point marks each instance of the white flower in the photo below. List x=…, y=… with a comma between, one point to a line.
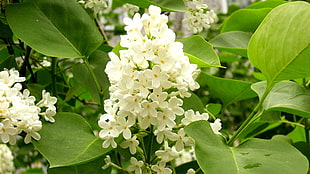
x=96, y=5
x=7, y=132
x=6, y=160
x=181, y=140
x=109, y=141
x=107, y=161
x=147, y=79
x=131, y=143
x=108, y=129
x=165, y=119
x=149, y=108
x=18, y=111
x=190, y=171
x=190, y=116
x=199, y=17
x=167, y=154
x=135, y=166
x=10, y=77
x=158, y=78
x=166, y=132
x=161, y=168
x=124, y=126
x=130, y=8
x=216, y=126
x=32, y=126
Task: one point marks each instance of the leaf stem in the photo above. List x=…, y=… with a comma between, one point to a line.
x=251, y=118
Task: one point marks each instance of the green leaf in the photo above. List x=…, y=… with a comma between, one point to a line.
x=233, y=41
x=97, y=60
x=266, y=4
x=200, y=51
x=254, y=156
x=68, y=141
x=280, y=46
x=285, y=96
x=298, y=134
x=228, y=90
x=214, y=108
x=93, y=167
x=167, y=5
x=33, y=171
x=246, y=20
x=58, y=28
x=194, y=103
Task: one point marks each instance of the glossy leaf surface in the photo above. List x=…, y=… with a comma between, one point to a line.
x=200, y=51
x=58, y=28
x=68, y=141
x=246, y=20
x=254, y=156
x=228, y=90
x=280, y=47
x=285, y=96
x=233, y=41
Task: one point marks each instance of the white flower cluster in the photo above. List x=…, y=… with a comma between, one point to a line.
x=18, y=111
x=148, y=80
x=199, y=17
x=6, y=160
x=96, y=5
x=130, y=8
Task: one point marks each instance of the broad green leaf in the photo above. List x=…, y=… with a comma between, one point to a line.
x=194, y=103
x=57, y=28
x=255, y=156
x=200, y=51
x=167, y=5
x=4, y=55
x=227, y=57
x=5, y=32
x=304, y=148
x=285, y=96
x=68, y=141
x=266, y=4
x=280, y=46
x=298, y=134
x=214, y=108
x=246, y=20
x=228, y=90
x=233, y=41
x=97, y=60
x=92, y=167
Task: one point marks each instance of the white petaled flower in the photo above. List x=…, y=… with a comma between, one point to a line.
x=216, y=126
x=167, y=153
x=190, y=171
x=135, y=166
x=6, y=160
x=151, y=64
x=131, y=9
x=96, y=5
x=131, y=143
x=107, y=161
x=48, y=102
x=190, y=116
x=199, y=17
x=161, y=168
x=18, y=111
